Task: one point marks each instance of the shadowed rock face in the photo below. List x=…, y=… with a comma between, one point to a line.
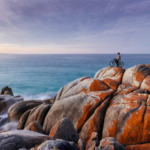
x=6, y=91
x=64, y=129
x=17, y=109
x=6, y=101
x=115, y=103
x=14, y=140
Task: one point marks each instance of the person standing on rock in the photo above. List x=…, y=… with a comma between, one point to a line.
x=117, y=59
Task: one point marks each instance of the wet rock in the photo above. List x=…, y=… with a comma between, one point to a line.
x=6, y=91
x=18, y=109
x=14, y=140
x=3, y=121
x=9, y=127
x=58, y=144
x=34, y=126
x=64, y=129
x=6, y=101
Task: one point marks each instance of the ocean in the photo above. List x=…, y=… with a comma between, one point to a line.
x=41, y=76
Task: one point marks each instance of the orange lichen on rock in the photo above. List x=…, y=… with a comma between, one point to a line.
x=53, y=130
x=97, y=85
x=88, y=109
x=132, y=131
x=94, y=123
x=145, y=146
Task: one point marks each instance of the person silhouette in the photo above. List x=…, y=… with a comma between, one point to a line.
x=117, y=59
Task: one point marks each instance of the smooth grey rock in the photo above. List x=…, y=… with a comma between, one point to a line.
x=64, y=129
x=18, y=109
x=58, y=144
x=14, y=140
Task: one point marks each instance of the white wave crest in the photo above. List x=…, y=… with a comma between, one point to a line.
x=40, y=96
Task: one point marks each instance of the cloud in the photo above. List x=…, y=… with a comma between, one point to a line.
x=73, y=22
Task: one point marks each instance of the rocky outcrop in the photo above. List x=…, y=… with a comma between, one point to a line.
x=18, y=109
x=6, y=91
x=64, y=129
x=14, y=140
x=112, y=107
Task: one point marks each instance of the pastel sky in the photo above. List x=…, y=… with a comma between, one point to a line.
x=74, y=26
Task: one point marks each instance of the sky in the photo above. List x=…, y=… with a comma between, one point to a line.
x=74, y=26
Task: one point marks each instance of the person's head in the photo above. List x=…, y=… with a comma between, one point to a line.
x=118, y=53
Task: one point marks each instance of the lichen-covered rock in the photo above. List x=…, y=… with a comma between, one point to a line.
x=93, y=141
x=14, y=140
x=143, y=146
x=83, y=85
x=94, y=123
x=64, y=129
x=77, y=108
x=18, y=109
x=34, y=126
x=115, y=103
x=127, y=119
x=134, y=76
x=58, y=144
x=111, y=76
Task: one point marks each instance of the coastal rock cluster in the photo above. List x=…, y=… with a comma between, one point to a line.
x=108, y=112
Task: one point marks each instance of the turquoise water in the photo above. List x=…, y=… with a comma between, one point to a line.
x=41, y=76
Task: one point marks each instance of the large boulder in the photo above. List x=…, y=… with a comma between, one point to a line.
x=64, y=129
x=34, y=126
x=6, y=91
x=111, y=76
x=127, y=119
x=134, y=76
x=58, y=144
x=77, y=108
x=14, y=140
x=81, y=85
x=18, y=109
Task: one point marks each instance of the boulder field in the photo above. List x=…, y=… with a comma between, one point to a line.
x=108, y=112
